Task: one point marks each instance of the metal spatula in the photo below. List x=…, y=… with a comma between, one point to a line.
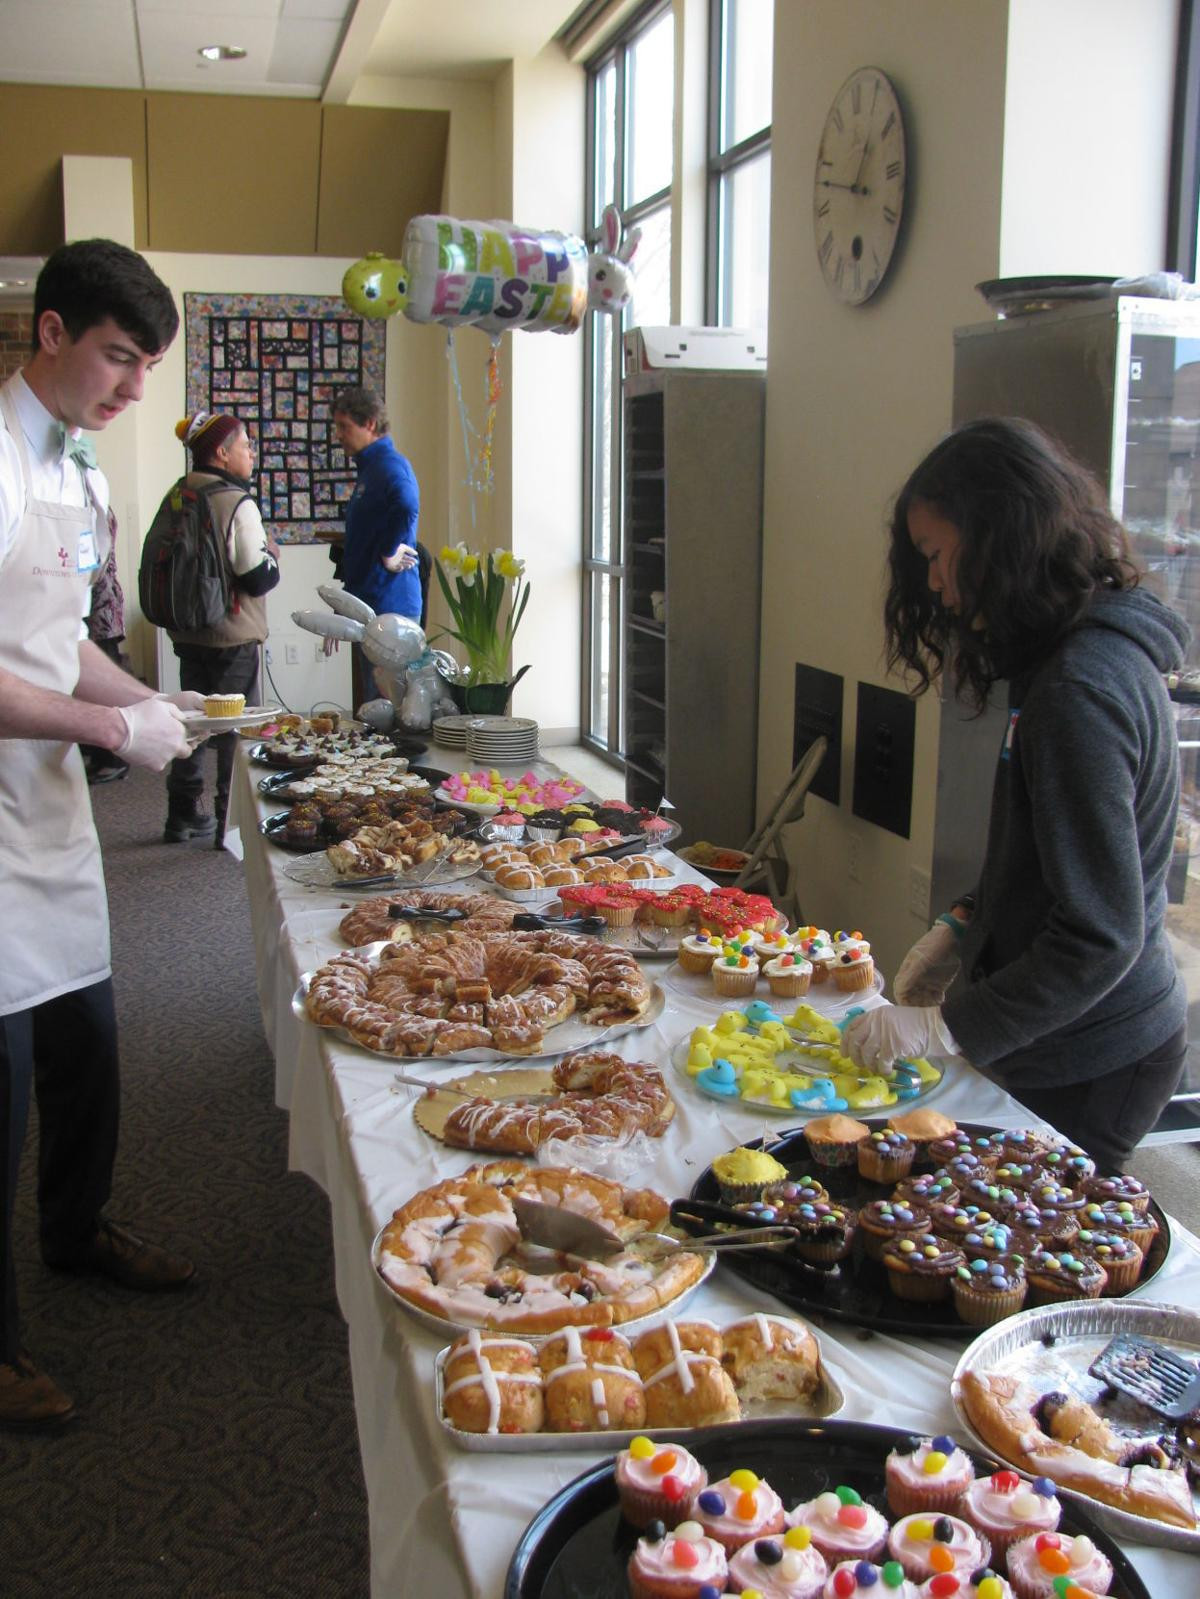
x=1165, y=1382
x=572, y=1234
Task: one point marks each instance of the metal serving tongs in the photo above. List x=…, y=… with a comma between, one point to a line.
x=569, y=1233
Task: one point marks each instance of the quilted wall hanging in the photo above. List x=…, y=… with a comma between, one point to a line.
x=277, y=361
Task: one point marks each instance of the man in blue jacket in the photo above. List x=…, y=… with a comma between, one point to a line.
x=379, y=563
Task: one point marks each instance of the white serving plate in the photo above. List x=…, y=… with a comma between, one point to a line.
x=827, y=1401
x=317, y=871
x=574, y=1033
x=252, y=716
x=450, y=1328
x=826, y=997
x=1080, y=1331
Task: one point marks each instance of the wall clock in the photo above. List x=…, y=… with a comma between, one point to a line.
x=858, y=186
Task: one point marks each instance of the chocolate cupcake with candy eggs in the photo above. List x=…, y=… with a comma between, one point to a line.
x=1023, y=1175
x=1046, y=1226
x=920, y=1269
x=1055, y=1276
x=1123, y=1189
x=1070, y=1164
x=927, y=1189
x=1054, y=1195
x=785, y=1567
x=927, y=1474
x=825, y=1231
x=927, y=1545
x=953, y=1222
x=886, y=1156
x=924, y=1128
x=1116, y=1252
x=962, y=1166
x=1121, y=1218
x=884, y=1222
x=1027, y=1143
x=987, y=1289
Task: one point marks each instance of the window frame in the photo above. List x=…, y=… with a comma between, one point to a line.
x=720, y=163
x=1183, y=198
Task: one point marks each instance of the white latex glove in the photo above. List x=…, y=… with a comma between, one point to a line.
x=186, y=700
x=888, y=1033
x=929, y=968
x=154, y=734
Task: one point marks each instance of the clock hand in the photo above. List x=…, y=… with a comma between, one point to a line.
x=853, y=188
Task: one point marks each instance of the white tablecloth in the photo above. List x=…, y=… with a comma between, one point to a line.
x=455, y=1517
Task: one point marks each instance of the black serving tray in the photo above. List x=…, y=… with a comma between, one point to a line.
x=275, y=828
x=578, y=1545
x=272, y=788
x=857, y=1289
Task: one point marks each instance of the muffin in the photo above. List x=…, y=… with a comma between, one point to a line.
x=1120, y=1217
x=787, y=1567
x=925, y=1545
x=1005, y=1508
x=1057, y=1277
x=788, y=975
x=885, y=1222
x=927, y=1474
x=842, y=1526
x=739, y=1508
x=1034, y=1564
x=1124, y=1189
x=853, y=971
x=1023, y=1175
x=941, y=1151
x=1070, y=1164
x=834, y=1140
x=617, y=909
x=825, y=1231
x=672, y=909
x=676, y=1565
x=657, y=1482
x=885, y=1156
x=1026, y=1143
x=925, y=1128
x=921, y=1269
x=698, y=951
x=743, y=1174
x=1050, y=1227
x=734, y=973
x=781, y=1198
x=927, y=1189
x=985, y=1291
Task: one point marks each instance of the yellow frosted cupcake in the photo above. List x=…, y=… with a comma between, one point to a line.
x=224, y=704
x=744, y=1173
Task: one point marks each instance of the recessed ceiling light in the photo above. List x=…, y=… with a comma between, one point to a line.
x=222, y=52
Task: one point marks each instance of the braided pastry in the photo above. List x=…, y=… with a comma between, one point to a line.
x=600, y=1095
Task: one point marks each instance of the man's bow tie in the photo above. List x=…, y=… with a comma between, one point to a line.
x=77, y=449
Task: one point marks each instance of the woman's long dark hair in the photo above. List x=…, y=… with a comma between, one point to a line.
x=1038, y=541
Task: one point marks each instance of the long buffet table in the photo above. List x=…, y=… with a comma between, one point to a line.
x=455, y=1517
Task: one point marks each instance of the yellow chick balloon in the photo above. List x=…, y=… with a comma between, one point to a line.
x=375, y=287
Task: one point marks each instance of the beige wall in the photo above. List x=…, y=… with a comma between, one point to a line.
x=856, y=396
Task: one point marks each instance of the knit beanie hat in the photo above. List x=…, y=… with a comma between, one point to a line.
x=205, y=431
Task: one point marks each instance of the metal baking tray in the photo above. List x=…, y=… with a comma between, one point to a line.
x=827, y=1401
x=449, y=1328
x=1078, y=1332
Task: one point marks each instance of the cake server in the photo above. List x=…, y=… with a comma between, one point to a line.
x=569, y=1233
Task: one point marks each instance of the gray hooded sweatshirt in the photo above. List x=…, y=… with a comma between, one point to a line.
x=1070, y=973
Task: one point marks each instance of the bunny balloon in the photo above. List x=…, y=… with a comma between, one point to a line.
x=495, y=276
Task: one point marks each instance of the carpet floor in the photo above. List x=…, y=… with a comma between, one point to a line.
x=214, y=1454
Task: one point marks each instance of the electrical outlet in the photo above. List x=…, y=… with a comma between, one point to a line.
x=267, y=655
x=854, y=858
x=291, y=654
x=319, y=652
x=918, y=892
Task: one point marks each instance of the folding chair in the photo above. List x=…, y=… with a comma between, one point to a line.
x=768, y=861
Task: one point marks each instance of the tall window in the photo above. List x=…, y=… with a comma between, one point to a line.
x=630, y=155
x=739, y=164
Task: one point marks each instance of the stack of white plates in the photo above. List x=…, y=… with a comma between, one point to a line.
x=452, y=731
x=502, y=738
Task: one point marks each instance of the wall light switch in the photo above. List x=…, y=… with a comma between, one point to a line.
x=291, y=654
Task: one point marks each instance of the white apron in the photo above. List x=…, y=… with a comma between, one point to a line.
x=53, y=904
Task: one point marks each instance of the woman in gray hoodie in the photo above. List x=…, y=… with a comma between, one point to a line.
x=1007, y=568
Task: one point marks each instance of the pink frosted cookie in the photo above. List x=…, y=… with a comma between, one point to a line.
x=926, y=1545
x=931, y=1476
x=842, y=1526
x=788, y=1567
x=739, y=1508
x=1004, y=1508
x=1037, y=1562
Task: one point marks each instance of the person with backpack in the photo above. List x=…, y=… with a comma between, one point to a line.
x=102, y=320
x=220, y=657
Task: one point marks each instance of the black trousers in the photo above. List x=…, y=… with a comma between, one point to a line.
x=232, y=670
x=66, y=1051
x=1110, y=1115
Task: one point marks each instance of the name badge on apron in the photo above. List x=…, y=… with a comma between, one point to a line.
x=87, y=558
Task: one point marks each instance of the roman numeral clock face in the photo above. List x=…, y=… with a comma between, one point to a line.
x=858, y=186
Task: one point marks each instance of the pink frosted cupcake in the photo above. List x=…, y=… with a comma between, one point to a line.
x=738, y=1509
x=842, y=1526
x=982, y=1584
x=677, y=1565
x=657, y=1482
x=790, y=1567
x=1036, y=1563
x=1005, y=1508
x=933, y=1475
x=928, y=1545
x=863, y=1579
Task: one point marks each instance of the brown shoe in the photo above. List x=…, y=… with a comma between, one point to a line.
x=115, y=1252
x=28, y=1398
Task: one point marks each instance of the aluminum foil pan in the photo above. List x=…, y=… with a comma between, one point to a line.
x=1052, y=1348
x=827, y=1401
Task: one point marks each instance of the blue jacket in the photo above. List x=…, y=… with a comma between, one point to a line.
x=381, y=513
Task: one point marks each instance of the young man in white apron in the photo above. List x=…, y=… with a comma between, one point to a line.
x=102, y=320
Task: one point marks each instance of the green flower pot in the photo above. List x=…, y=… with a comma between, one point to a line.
x=485, y=699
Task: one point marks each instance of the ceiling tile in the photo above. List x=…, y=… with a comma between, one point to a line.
x=303, y=51
x=89, y=43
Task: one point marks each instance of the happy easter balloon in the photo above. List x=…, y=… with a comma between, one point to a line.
x=376, y=286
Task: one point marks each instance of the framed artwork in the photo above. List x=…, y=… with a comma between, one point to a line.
x=277, y=361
